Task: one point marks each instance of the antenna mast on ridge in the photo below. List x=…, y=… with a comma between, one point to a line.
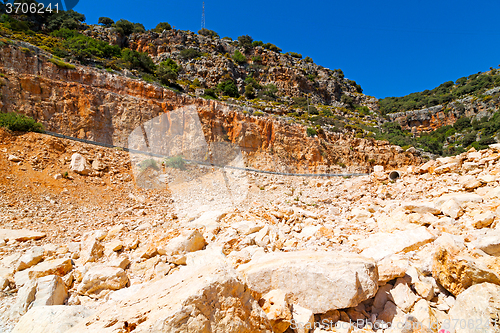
x=203, y=17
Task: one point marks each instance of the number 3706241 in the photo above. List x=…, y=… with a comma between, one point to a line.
x=32, y=8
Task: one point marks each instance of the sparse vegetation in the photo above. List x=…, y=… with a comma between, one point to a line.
x=146, y=164
x=176, y=162
x=61, y=64
x=162, y=26
x=190, y=53
x=239, y=57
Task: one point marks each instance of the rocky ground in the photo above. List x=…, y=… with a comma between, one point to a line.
x=84, y=249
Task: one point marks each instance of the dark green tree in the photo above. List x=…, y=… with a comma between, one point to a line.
x=245, y=41
x=106, y=21
x=239, y=57
x=124, y=27
x=139, y=28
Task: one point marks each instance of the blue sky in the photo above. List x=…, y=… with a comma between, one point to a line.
x=391, y=48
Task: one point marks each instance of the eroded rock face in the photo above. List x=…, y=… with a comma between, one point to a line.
x=204, y=299
x=99, y=106
x=319, y=281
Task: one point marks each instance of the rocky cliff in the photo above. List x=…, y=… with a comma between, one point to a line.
x=292, y=76
x=93, y=104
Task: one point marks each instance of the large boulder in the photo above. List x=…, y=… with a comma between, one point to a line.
x=187, y=241
x=382, y=244
x=99, y=278
x=318, y=281
x=80, y=165
x=477, y=309
x=489, y=242
x=53, y=319
x=194, y=299
x=50, y=290
x=458, y=272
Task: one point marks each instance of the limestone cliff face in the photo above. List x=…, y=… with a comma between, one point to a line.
x=96, y=105
x=437, y=116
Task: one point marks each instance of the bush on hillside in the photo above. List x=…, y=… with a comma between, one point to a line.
x=162, y=26
x=239, y=57
x=208, y=33
x=245, y=41
x=139, y=28
x=19, y=122
x=167, y=71
x=228, y=88
x=176, y=162
x=84, y=47
x=138, y=60
x=191, y=53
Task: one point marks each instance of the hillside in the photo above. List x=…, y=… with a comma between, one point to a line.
x=241, y=72
x=446, y=120
x=80, y=99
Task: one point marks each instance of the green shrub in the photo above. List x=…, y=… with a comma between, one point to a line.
x=228, y=88
x=209, y=94
x=176, y=162
x=191, y=53
x=272, y=47
x=257, y=59
x=106, y=21
x=61, y=64
x=311, y=131
x=249, y=92
x=308, y=59
x=167, y=71
x=256, y=43
x=239, y=57
x=149, y=163
x=138, y=60
x=20, y=122
x=208, y=33
x=468, y=139
x=64, y=19
x=462, y=123
x=162, y=26
x=269, y=91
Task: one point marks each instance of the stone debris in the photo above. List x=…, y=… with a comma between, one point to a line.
x=423, y=248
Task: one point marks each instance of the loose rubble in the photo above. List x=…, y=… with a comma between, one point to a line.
x=91, y=252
